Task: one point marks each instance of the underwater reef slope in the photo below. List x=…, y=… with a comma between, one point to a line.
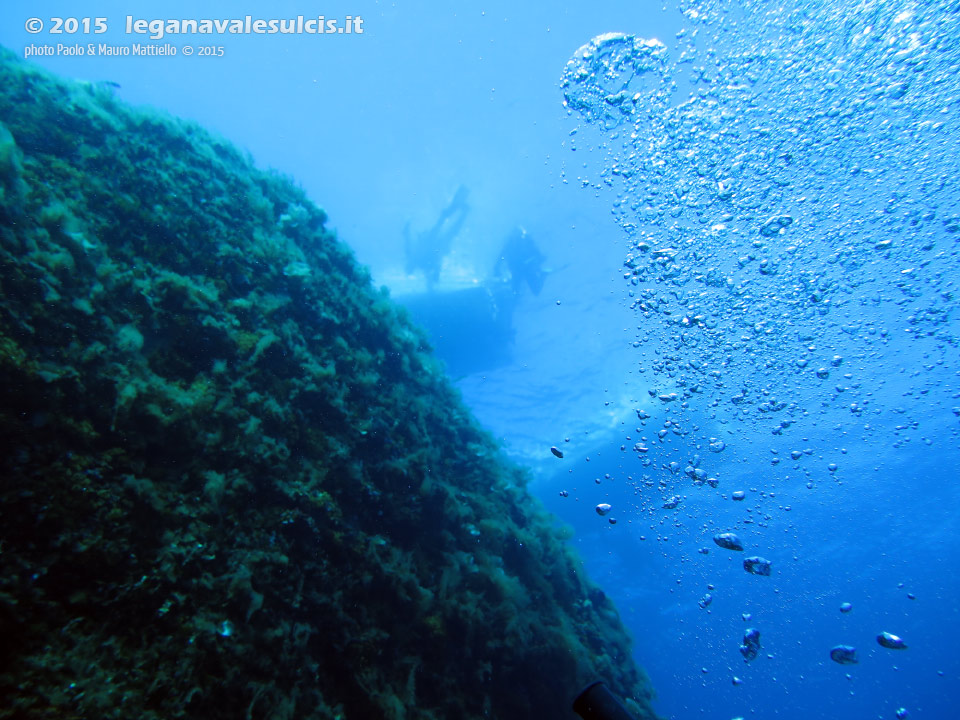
x=234, y=481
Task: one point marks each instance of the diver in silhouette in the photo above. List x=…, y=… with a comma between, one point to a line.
x=521, y=263
x=426, y=251
x=471, y=325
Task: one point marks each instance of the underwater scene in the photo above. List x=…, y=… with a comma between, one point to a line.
x=422, y=360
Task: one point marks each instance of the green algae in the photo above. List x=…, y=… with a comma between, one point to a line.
x=237, y=484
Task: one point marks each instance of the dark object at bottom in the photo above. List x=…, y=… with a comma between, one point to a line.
x=596, y=702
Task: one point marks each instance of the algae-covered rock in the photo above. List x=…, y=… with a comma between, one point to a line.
x=235, y=483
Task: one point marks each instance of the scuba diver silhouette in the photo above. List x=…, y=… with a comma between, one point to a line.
x=470, y=324
x=521, y=263
x=426, y=251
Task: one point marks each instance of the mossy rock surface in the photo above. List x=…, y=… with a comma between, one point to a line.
x=235, y=482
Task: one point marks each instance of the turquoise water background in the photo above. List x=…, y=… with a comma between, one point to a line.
x=842, y=118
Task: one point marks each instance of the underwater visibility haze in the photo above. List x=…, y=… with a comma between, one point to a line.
x=440, y=369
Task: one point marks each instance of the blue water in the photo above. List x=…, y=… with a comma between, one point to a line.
x=782, y=182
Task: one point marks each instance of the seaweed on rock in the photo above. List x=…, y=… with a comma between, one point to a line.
x=235, y=483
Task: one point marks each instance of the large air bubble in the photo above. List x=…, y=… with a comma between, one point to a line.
x=616, y=78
